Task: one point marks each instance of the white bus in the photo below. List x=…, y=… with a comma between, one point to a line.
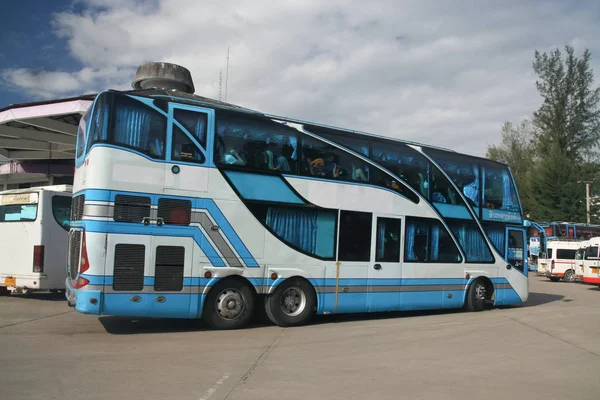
x=559, y=260
x=185, y=207
x=591, y=262
x=34, y=224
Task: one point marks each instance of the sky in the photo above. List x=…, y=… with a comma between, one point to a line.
x=444, y=73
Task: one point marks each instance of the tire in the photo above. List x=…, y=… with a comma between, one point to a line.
x=476, y=296
x=229, y=305
x=293, y=303
x=4, y=291
x=569, y=276
x=554, y=278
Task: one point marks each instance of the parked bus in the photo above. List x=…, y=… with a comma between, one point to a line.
x=559, y=261
x=186, y=207
x=591, y=262
x=34, y=224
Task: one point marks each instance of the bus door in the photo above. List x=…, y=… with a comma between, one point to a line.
x=385, y=269
x=353, y=261
x=516, y=262
x=189, y=135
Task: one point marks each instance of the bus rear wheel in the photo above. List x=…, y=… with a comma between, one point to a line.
x=4, y=291
x=229, y=305
x=292, y=303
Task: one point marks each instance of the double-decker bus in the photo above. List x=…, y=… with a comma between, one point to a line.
x=187, y=207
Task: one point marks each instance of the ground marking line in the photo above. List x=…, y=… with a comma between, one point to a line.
x=210, y=391
x=553, y=336
x=35, y=319
x=256, y=364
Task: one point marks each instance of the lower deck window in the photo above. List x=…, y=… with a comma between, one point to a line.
x=427, y=240
x=472, y=242
x=309, y=230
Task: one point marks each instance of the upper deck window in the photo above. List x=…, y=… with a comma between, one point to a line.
x=194, y=122
x=499, y=191
x=82, y=132
x=257, y=144
x=138, y=127
x=464, y=172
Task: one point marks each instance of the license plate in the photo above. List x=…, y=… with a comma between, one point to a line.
x=594, y=271
x=10, y=282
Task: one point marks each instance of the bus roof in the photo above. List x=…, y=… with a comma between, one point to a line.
x=53, y=188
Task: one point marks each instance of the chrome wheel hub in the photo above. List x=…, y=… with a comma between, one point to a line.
x=293, y=301
x=480, y=292
x=230, y=304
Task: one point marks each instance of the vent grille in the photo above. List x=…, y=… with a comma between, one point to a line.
x=77, y=207
x=129, y=267
x=74, y=253
x=169, y=268
x=131, y=208
x=175, y=212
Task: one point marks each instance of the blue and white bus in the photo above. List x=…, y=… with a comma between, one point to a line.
x=186, y=207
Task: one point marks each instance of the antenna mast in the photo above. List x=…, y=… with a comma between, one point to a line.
x=220, y=83
x=227, y=73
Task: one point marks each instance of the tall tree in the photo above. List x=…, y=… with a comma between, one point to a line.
x=517, y=150
x=569, y=116
x=566, y=131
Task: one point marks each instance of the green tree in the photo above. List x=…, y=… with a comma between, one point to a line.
x=569, y=117
x=566, y=135
x=517, y=150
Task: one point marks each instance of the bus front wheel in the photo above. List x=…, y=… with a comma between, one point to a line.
x=292, y=303
x=229, y=305
x=477, y=296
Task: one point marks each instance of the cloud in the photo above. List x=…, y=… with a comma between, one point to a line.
x=443, y=73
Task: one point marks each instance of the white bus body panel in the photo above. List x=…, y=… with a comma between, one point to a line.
x=17, y=241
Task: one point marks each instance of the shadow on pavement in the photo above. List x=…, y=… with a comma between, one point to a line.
x=537, y=299
x=39, y=296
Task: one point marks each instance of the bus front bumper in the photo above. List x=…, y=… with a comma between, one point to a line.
x=84, y=301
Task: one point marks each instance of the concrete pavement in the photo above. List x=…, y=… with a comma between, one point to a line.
x=547, y=349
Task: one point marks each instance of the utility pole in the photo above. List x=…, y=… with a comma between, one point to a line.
x=587, y=199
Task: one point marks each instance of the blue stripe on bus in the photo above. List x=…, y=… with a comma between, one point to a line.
x=323, y=282
x=506, y=297
x=198, y=203
x=165, y=230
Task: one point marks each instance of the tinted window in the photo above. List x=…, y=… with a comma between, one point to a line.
x=138, y=126
x=388, y=240
x=499, y=190
x=184, y=149
x=131, y=208
x=253, y=143
x=18, y=212
x=516, y=249
x=472, y=242
x=355, y=236
x=194, y=122
x=309, y=230
x=97, y=132
x=591, y=253
x=564, y=254
x=174, y=211
x=406, y=163
x=322, y=160
x=375, y=175
x=61, y=210
x=550, y=253
x=427, y=240
x=463, y=170
x=82, y=132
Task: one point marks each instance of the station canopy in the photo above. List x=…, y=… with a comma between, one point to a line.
x=41, y=131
